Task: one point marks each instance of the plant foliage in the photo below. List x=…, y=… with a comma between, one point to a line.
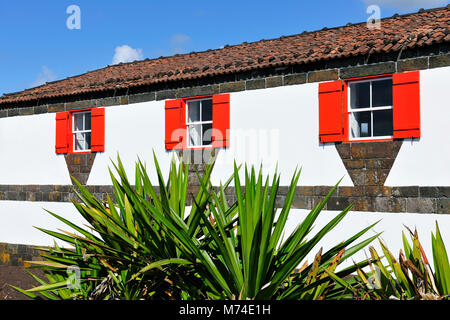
x=148, y=244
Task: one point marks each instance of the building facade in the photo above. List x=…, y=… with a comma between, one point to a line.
x=369, y=106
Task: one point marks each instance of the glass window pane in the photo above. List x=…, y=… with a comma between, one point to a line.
x=207, y=110
x=382, y=123
x=88, y=140
x=361, y=124
x=193, y=111
x=207, y=134
x=360, y=95
x=87, y=121
x=78, y=121
x=79, y=142
x=195, y=135
x=382, y=93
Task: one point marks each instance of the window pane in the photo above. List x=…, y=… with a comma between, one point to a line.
x=78, y=121
x=382, y=123
x=207, y=110
x=195, y=135
x=360, y=95
x=194, y=111
x=87, y=121
x=79, y=142
x=88, y=140
x=207, y=134
x=361, y=124
x=382, y=93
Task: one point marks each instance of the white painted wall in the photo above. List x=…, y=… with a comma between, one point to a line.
x=391, y=225
x=132, y=131
x=284, y=125
x=27, y=151
x=426, y=162
x=269, y=126
x=19, y=218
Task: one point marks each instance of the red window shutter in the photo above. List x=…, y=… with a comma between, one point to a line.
x=331, y=111
x=98, y=129
x=221, y=120
x=406, y=105
x=174, y=124
x=62, y=132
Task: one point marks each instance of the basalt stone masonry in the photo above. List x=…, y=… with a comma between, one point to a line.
x=369, y=163
x=80, y=165
x=373, y=198
x=18, y=254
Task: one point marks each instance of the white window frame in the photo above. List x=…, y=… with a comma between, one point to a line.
x=350, y=111
x=74, y=131
x=188, y=124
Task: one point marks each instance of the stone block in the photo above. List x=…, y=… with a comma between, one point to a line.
x=274, y=82
x=428, y=192
x=323, y=75
x=337, y=203
x=142, y=97
x=291, y=79
x=344, y=150
x=405, y=192
x=443, y=205
x=412, y=64
x=421, y=205
x=377, y=191
x=232, y=86
x=166, y=94
x=367, y=70
x=439, y=61
x=385, y=204
x=56, y=107
x=255, y=84
x=354, y=164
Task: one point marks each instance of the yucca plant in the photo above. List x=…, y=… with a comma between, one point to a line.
x=411, y=276
x=145, y=245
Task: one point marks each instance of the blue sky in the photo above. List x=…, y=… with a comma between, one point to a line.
x=37, y=46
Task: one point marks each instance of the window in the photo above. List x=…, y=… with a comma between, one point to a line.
x=81, y=131
x=199, y=122
x=370, y=109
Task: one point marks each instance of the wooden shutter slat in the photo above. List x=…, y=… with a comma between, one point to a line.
x=331, y=112
x=174, y=133
x=98, y=130
x=221, y=120
x=62, y=132
x=406, y=105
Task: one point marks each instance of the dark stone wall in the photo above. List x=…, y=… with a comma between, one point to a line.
x=374, y=198
x=80, y=165
x=18, y=254
x=369, y=163
x=13, y=263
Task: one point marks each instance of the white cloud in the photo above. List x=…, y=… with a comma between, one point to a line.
x=127, y=54
x=178, y=42
x=408, y=4
x=45, y=76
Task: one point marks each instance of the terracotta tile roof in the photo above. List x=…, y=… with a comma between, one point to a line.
x=400, y=31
